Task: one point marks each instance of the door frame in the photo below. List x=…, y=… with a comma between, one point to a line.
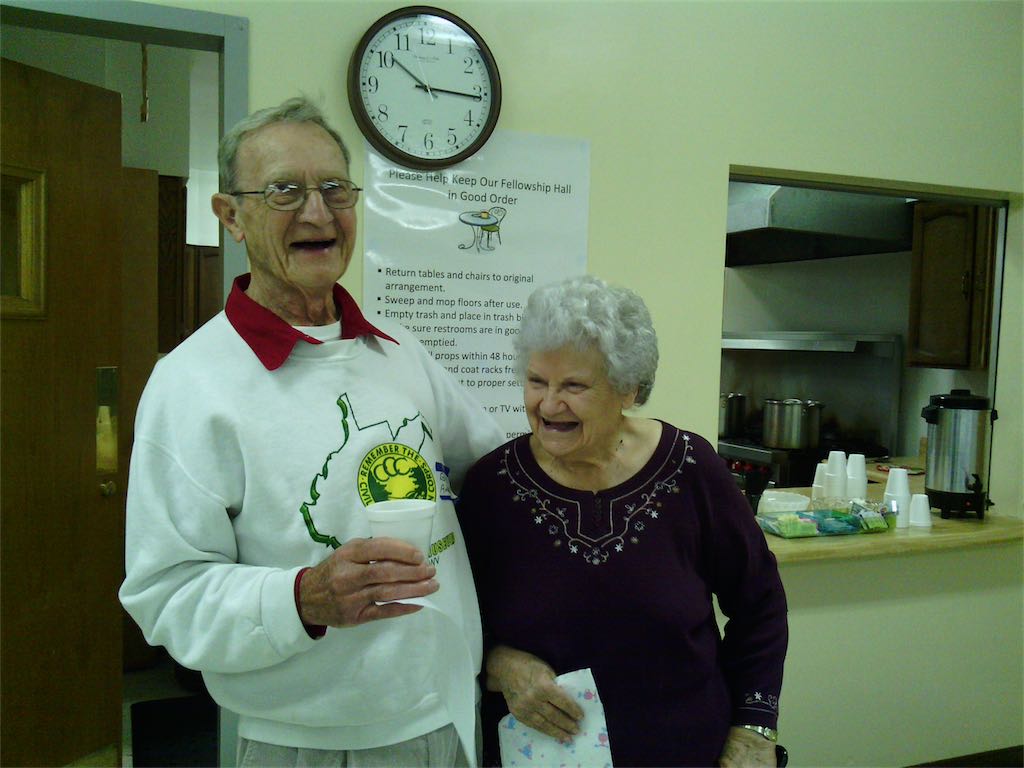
x=164, y=25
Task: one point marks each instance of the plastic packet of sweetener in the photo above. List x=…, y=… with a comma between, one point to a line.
x=871, y=519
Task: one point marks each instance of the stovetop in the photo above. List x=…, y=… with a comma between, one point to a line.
x=789, y=467
x=746, y=449
x=749, y=449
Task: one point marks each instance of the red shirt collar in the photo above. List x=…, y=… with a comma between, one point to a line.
x=272, y=339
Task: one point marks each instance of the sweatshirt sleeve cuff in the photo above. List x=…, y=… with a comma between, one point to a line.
x=315, y=631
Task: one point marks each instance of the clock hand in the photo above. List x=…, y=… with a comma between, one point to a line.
x=422, y=85
x=423, y=74
x=473, y=96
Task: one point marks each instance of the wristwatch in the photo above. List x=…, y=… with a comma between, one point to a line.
x=769, y=733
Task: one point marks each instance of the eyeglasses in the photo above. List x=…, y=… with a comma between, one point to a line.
x=286, y=196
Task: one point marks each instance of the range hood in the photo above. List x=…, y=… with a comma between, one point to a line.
x=768, y=223
x=878, y=345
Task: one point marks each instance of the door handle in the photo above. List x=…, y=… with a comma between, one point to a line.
x=106, y=420
x=108, y=488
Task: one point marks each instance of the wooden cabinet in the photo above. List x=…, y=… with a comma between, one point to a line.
x=951, y=285
x=202, y=296
x=170, y=270
x=190, y=288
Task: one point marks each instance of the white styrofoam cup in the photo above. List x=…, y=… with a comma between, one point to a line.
x=818, y=487
x=856, y=476
x=835, y=476
x=897, y=488
x=410, y=520
x=920, y=511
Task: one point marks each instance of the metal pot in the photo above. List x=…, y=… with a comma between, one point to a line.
x=732, y=412
x=792, y=423
x=957, y=464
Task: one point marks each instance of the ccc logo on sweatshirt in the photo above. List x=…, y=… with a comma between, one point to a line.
x=395, y=471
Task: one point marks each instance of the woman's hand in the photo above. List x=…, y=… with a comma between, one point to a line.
x=746, y=749
x=530, y=691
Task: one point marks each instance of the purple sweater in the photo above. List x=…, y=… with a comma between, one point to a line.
x=621, y=581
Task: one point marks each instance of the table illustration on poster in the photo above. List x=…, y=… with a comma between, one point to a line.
x=522, y=196
x=483, y=222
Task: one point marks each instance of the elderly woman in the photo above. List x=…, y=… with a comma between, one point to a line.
x=597, y=541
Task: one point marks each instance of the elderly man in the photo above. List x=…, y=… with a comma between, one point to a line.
x=259, y=443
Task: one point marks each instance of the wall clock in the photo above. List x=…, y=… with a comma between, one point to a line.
x=424, y=88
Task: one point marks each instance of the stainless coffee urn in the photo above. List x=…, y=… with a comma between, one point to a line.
x=957, y=466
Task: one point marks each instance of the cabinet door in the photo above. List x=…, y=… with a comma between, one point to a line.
x=941, y=285
x=982, y=285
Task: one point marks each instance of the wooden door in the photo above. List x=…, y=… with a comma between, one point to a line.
x=139, y=276
x=61, y=521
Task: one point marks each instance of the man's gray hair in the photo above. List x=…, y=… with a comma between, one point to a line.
x=587, y=313
x=295, y=110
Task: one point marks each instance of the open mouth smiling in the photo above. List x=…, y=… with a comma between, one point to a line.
x=560, y=426
x=313, y=245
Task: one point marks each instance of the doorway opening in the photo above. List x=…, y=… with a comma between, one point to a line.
x=220, y=45
x=225, y=37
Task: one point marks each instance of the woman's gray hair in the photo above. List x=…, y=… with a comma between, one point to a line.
x=587, y=313
x=295, y=110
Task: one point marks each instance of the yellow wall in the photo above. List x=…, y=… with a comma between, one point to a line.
x=670, y=94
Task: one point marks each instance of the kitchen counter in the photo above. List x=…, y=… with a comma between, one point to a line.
x=886, y=616
x=954, y=533
x=944, y=534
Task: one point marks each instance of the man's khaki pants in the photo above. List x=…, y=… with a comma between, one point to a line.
x=438, y=749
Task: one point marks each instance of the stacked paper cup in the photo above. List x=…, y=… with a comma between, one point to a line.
x=897, y=494
x=835, y=476
x=818, y=488
x=856, y=477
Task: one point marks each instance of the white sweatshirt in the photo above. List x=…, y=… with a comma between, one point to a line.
x=240, y=476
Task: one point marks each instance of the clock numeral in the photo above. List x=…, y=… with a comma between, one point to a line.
x=427, y=35
x=468, y=119
x=468, y=63
x=385, y=59
x=452, y=138
x=428, y=141
x=479, y=91
x=401, y=132
x=401, y=42
x=373, y=83
x=382, y=113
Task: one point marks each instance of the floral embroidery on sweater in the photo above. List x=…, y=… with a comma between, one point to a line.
x=624, y=522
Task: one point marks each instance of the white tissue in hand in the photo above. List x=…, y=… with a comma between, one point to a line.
x=521, y=745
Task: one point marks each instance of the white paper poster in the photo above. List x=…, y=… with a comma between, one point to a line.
x=453, y=254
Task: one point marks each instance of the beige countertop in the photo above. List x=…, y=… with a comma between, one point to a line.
x=958, y=533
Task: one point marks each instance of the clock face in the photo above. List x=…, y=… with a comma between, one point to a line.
x=424, y=88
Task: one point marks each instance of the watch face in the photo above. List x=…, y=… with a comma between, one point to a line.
x=424, y=88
